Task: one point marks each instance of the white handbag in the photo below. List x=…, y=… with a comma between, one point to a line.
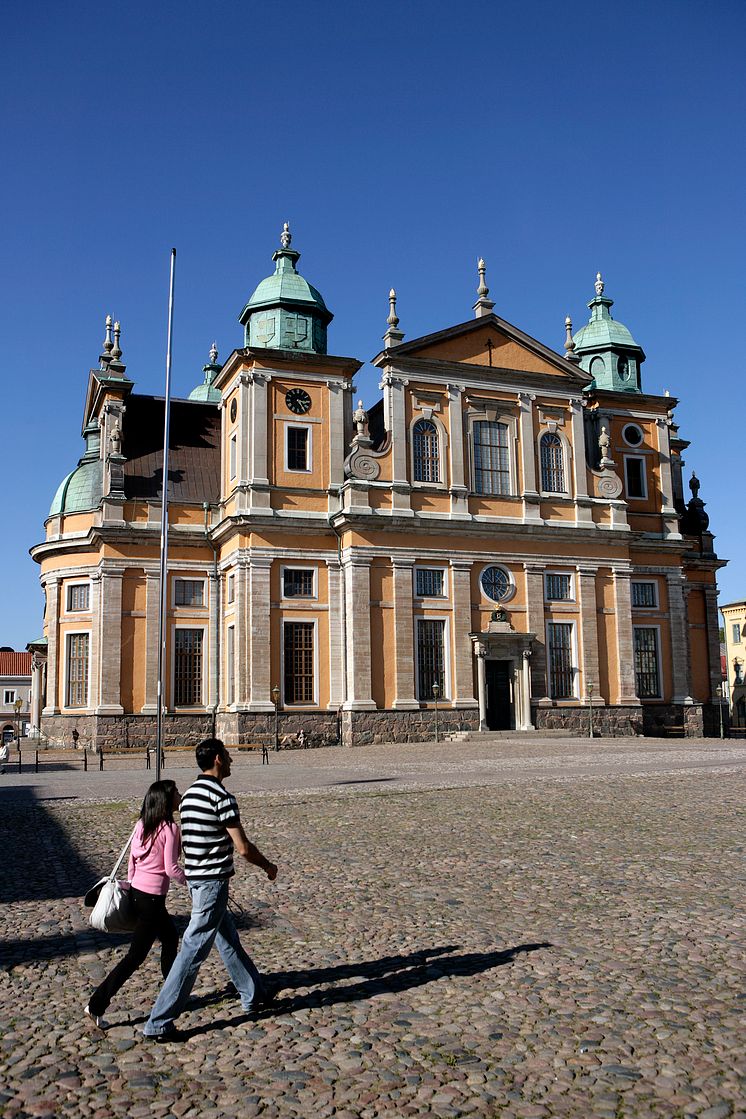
x=112, y=905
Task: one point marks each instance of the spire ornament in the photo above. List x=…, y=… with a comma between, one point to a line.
x=483, y=305
x=393, y=319
x=116, y=352
x=214, y=353
x=599, y=285
x=286, y=236
x=570, y=354
x=393, y=335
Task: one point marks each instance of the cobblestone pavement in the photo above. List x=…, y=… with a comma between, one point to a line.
x=514, y=929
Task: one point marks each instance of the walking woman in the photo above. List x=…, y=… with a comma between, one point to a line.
x=154, y=860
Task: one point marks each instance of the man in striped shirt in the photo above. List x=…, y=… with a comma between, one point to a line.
x=211, y=831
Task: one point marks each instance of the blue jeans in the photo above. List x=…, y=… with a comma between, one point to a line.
x=210, y=923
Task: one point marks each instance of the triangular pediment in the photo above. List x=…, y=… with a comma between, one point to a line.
x=491, y=341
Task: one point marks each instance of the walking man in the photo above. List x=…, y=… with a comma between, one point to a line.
x=210, y=831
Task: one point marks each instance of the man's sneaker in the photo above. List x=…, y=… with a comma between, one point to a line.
x=171, y=1034
x=99, y=1022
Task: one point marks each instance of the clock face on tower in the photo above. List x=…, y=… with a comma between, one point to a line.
x=298, y=401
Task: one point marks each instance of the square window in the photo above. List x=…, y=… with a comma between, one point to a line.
x=10, y=697
x=189, y=592
x=297, y=448
x=558, y=587
x=429, y=582
x=78, y=596
x=644, y=594
x=297, y=582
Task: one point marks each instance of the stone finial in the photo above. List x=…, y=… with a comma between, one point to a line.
x=115, y=439
x=393, y=335
x=286, y=236
x=603, y=446
x=214, y=353
x=694, y=484
x=570, y=354
x=599, y=285
x=360, y=417
x=393, y=319
x=116, y=352
x=108, y=344
x=483, y=305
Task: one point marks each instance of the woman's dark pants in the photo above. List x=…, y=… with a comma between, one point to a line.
x=153, y=923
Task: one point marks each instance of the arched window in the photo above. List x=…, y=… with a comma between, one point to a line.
x=491, y=457
x=426, y=446
x=552, y=463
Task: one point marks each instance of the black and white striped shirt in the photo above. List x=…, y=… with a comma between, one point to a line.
x=206, y=810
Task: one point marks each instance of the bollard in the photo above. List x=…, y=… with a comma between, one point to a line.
x=85, y=759
x=36, y=761
x=147, y=757
x=265, y=755
x=19, y=759
x=101, y=759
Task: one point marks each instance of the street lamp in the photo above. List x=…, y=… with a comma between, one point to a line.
x=590, y=709
x=276, y=699
x=18, y=705
x=719, y=694
x=436, y=693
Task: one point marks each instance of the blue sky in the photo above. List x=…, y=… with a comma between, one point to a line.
x=401, y=141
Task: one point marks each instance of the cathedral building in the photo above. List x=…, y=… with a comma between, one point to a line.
x=501, y=542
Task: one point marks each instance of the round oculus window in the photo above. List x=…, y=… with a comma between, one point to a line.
x=496, y=583
x=632, y=435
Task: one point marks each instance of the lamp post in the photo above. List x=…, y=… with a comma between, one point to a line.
x=18, y=705
x=719, y=694
x=590, y=709
x=436, y=693
x=276, y=700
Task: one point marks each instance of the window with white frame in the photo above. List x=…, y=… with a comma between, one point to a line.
x=634, y=474
x=298, y=662
x=558, y=586
x=298, y=582
x=231, y=588
x=560, y=650
x=736, y=632
x=632, y=435
x=491, y=453
x=644, y=593
x=78, y=597
x=189, y=592
x=9, y=697
x=233, y=456
x=429, y=582
x=496, y=583
x=552, y=456
x=230, y=663
x=297, y=447
x=426, y=451
x=647, y=662
x=76, y=670
x=188, y=647
x=430, y=657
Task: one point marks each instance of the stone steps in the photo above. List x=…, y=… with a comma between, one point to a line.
x=498, y=735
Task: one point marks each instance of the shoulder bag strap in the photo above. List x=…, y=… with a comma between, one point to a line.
x=124, y=852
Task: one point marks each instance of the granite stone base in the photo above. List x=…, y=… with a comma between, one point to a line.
x=607, y=722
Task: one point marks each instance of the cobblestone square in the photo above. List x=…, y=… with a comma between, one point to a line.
x=516, y=929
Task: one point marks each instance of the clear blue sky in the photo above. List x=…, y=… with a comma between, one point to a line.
x=401, y=141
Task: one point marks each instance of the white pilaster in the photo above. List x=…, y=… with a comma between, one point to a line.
x=152, y=620
x=212, y=641
x=679, y=621
x=531, y=509
x=109, y=631
x=624, y=638
x=404, y=634
x=357, y=594
x=260, y=645
x=52, y=588
x=589, y=628
x=396, y=423
x=463, y=669
x=337, y=651
x=458, y=488
x=583, y=514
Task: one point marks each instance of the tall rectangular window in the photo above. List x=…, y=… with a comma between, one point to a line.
x=297, y=582
x=647, y=671
x=233, y=456
x=188, y=667
x=297, y=448
x=561, y=667
x=430, y=657
x=298, y=662
x=552, y=463
x=736, y=633
x=78, y=596
x=429, y=582
x=77, y=670
x=230, y=666
x=644, y=594
x=558, y=587
x=231, y=588
x=491, y=457
x=426, y=451
x=189, y=592
x=634, y=471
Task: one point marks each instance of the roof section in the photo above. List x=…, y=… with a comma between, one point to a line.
x=193, y=456
x=15, y=664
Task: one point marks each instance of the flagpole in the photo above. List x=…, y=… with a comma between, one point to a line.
x=162, y=631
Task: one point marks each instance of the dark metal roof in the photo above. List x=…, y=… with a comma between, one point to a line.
x=193, y=455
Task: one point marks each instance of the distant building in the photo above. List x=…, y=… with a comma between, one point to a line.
x=734, y=625
x=504, y=534
x=15, y=693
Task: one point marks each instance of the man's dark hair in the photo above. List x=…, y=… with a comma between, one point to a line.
x=207, y=751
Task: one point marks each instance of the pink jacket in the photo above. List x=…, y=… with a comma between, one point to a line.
x=155, y=861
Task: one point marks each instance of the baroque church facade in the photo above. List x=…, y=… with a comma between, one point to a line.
x=502, y=541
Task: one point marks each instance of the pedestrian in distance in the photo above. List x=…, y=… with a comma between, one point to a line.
x=211, y=832
x=153, y=862
x=4, y=755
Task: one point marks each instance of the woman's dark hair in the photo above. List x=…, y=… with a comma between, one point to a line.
x=157, y=807
x=207, y=751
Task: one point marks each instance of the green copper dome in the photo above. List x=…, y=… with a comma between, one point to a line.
x=286, y=312
x=207, y=391
x=606, y=347
x=83, y=487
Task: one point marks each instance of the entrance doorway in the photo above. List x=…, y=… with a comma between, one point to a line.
x=499, y=700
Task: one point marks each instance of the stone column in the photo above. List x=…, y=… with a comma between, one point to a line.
x=213, y=641
x=152, y=622
x=404, y=649
x=481, y=654
x=625, y=646
x=94, y=668
x=526, y=723
x=110, y=644
x=713, y=640
x=589, y=628
x=679, y=622
x=253, y=435
x=37, y=678
x=463, y=667
x=396, y=423
x=670, y=519
x=535, y=624
x=531, y=499
x=243, y=625
x=579, y=469
x=458, y=488
x=357, y=593
x=260, y=642
x=337, y=651
x=52, y=588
